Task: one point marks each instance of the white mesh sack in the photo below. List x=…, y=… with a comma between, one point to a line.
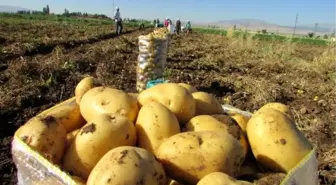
x=152, y=57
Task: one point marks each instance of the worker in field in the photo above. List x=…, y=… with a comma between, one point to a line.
x=166, y=22
x=118, y=21
x=188, y=27
x=178, y=26
x=171, y=27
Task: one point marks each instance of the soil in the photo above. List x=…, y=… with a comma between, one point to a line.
x=243, y=78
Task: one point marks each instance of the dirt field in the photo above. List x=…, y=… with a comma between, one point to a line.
x=243, y=73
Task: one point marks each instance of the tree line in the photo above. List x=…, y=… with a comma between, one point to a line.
x=66, y=13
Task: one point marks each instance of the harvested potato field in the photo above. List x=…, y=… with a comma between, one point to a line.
x=38, y=72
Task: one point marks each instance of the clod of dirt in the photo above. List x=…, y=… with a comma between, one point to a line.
x=89, y=129
x=48, y=120
x=233, y=126
x=271, y=179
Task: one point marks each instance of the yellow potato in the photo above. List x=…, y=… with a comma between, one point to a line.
x=128, y=165
x=271, y=135
x=189, y=156
x=83, y=86
x=66, y=113
x=71, y=136
x=154, y=124
x=241, y=120
x=176, y=98
x=45, y=135
x=206, y=104
x=217, y=122
x=100, y=100
x=190, y=88
x=204, y=123
x=95, y=139
x=219, y=178
x=280, y=107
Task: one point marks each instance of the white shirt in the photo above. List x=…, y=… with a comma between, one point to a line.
x=117, y=16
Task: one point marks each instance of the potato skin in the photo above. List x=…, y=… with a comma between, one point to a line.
x=189, y=156
x=46, y=136
x=190, y=88
x=100, y=100
x=71, y=136
x=219, y=178
x=66, y=113
x=280, y=107
x=154, y=124
x=271, y=135
x=175, y=97
x=204, y=123
x=206, y=104
x=217, y=122
x=128, y=165
x=95, y=139
x=82, y=87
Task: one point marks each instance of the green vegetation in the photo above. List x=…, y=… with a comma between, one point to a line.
x=265, y=36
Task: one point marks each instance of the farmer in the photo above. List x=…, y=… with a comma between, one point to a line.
x=171, y=27
x=178, y=26
x=118, y=21
x=166, y=22
x=188, y=27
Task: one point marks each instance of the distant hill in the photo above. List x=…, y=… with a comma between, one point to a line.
x=256, y=25
x=11, y=9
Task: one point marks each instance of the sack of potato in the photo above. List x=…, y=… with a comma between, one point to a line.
x=169, y=134
x=152, y=57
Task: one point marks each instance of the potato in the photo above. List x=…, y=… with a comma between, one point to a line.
x=189, y=156
x=176, y=98
x=83, y=86
x=108, y=100
x=46, y=136
x=128, y=165
x=280, y=107
x=95, y=139
x=48, y=180
x=271, y=135
x=71, y=136
x=216, y=122
x=206, y=104
x=204, y=123
x=154, y=124
x=190, y=88
x=66, y=113
x=219, y=178
x=241, y=120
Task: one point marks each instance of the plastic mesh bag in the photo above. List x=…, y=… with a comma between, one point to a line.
x=152, y=57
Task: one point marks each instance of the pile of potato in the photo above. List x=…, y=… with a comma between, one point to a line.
x=169, y=134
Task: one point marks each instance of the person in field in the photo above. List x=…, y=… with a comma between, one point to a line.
x=178, y=26
x=166, y=23
x=171, y=27
x=118, y=21
x=188, y=27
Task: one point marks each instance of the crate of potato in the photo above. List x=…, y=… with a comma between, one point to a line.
x=169, y=134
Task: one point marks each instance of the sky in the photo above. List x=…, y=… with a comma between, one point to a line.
x=281, y=12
